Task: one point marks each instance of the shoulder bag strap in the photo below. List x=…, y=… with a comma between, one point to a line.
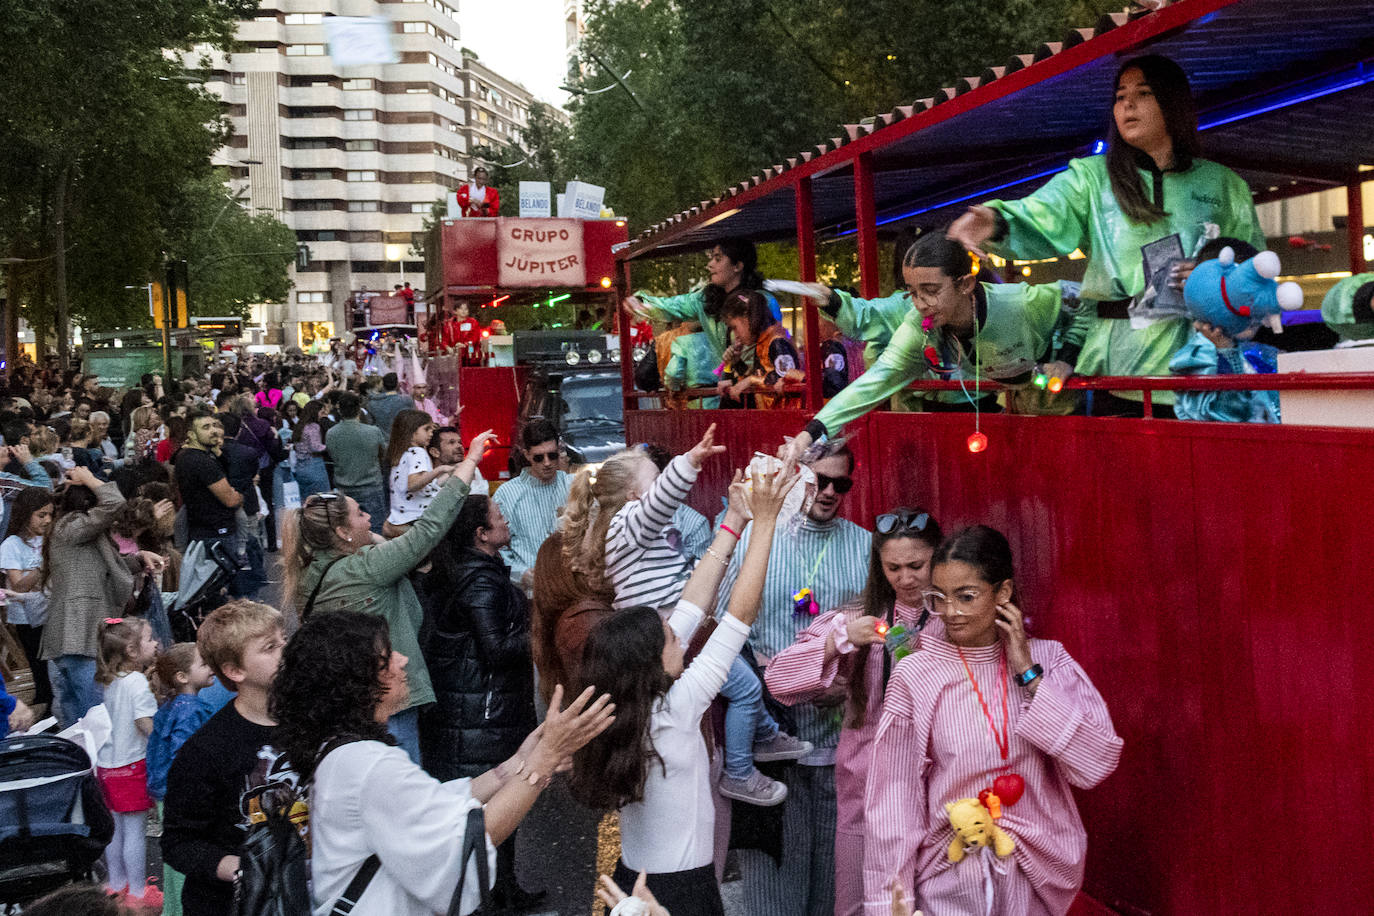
x=474, y=844
x=310, y=602
x=368, y=870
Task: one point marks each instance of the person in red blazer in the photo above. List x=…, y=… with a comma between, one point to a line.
x=476, y=198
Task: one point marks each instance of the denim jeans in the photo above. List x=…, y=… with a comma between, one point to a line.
x=746, y=719
x=405, y=728
x=73, y=683
x=311, y=476
x=372, y=501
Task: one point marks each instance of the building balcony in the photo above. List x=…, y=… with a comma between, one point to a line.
x=319, y=219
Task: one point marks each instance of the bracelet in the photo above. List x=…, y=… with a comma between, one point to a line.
x=1030, y=674
x=717, y=556
x=729, y=530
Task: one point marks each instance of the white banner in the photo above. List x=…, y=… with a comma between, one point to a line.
x=535, y=199
x=356, y=41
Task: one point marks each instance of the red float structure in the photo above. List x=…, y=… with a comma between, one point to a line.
x=1211, y=578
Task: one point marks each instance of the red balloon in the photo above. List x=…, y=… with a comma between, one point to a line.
x=1009, y=788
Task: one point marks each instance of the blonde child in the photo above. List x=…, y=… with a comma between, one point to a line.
x=180, y=674
x=617, y=533
x=127, y=648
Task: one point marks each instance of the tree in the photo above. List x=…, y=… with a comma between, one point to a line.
x=102, y=128
x=730, y=86
x=234, y=257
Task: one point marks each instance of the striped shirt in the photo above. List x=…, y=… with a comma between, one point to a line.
x=934, y=747
x=531, y=510
x=839, y=579
x=641, y=565
x=694, y=530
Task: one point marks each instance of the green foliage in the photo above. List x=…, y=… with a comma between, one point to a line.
x=729, y=87
x=102, y=135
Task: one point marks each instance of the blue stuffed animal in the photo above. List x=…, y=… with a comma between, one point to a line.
x=1237, y=297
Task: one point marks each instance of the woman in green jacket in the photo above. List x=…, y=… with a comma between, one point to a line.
x=732, y=264
x=1150, y=185
x=334, y=563
x=960, y=329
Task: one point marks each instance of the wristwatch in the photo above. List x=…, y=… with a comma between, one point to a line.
x=1030, y=674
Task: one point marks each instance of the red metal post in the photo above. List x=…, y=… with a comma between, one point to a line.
x=867, y=218
x=1354, y=224
x=622, y=323
x=806, y=268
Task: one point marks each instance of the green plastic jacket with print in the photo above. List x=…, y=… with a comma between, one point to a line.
x=1016, y=332
x=692, y=307
x=1077, y=210
x=872, y=322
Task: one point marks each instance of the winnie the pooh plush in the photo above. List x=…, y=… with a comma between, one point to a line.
x=973, y=826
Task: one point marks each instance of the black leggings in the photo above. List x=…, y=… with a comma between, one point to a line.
x=683, y=893
x=30, y=638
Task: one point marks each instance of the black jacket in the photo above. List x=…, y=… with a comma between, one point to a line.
x=477, y=649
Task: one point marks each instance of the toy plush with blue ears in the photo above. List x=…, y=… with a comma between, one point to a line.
x=1238, y=297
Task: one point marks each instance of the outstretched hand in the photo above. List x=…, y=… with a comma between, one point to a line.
x=974, y=228
x=770, y=491
x=610, y=894
x=567, y=730
x=706, y=448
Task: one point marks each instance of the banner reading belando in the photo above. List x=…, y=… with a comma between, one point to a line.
x=541, y=252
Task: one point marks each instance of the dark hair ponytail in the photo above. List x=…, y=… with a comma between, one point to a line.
x=1175, y=97
x=935, y=249
x=985, y=549
x=739, y=251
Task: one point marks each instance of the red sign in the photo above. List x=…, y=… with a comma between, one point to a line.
x=540, y=252
x=387, y=310
x=474, y=249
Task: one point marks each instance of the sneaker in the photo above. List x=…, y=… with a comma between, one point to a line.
x=781, y=746
x=754, y=789
x=150, y=902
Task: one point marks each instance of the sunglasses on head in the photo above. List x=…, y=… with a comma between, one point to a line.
x=906, y=521
x=842, y=485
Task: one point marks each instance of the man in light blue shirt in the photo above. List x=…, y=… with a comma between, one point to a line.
x=530, y=503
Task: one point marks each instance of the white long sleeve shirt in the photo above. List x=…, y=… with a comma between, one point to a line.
x=369, y=798
x=673, y=828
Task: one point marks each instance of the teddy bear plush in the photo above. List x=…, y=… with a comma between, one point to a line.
x=973, y=826
x=1236, y=297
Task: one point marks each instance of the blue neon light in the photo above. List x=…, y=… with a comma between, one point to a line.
x=1336, y=84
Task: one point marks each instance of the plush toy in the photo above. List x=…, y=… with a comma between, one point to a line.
x=1236, y=297
x=973, y=826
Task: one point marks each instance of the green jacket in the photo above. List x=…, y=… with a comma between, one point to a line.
x=1338, y=308
x=1076, y=210
x=870, y=321
x=373, y=581
x=690, y=307
x=1016, y=331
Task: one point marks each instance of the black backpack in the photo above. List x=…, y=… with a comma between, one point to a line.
x=274, y=866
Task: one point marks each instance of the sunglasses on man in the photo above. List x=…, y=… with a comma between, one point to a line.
x=842, y=485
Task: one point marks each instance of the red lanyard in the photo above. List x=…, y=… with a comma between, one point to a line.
x=1003, y=740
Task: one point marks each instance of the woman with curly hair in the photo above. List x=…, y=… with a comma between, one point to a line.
x=331, y=563
x=339, y=683
x=653, y=763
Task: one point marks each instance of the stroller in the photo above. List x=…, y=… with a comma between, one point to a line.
x=54, y=824
x=205, y=574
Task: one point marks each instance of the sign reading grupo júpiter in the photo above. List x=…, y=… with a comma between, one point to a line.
x=541, y=252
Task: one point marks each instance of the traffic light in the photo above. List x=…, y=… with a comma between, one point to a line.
x=159, y=305
x=176, y=282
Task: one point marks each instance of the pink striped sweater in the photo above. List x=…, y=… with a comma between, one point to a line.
x=934, y=746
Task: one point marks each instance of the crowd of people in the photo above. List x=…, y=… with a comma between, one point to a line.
x=868, y=699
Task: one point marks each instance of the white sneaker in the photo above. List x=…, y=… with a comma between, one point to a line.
x=754, y=789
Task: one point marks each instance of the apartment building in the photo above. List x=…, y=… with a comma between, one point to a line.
x=350, y=158
x=497, y=110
